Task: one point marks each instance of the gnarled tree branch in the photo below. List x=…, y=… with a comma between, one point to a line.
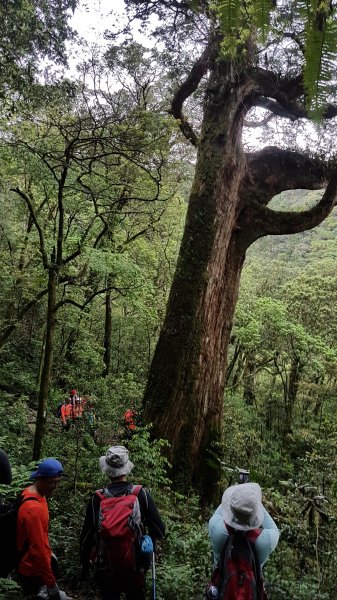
x=272, y=222
x=254, y=124
x=273, y=170
x=185, y=90
x=89, y=299
x=27, y=200
x=283, y=96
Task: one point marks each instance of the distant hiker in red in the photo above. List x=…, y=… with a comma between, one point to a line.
x=112, y=543
x=130, y=417
x=35, y=570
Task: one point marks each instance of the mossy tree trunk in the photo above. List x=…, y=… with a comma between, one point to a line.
x=227, y=212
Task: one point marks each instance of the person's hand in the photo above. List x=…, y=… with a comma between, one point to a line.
x=54, y=592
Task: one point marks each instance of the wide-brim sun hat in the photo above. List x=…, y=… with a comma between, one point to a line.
x=116, y=462
x=242, y=506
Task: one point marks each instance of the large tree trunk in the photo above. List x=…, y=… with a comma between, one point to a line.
x=184, y=395
x=47, y=365
x=227, y=212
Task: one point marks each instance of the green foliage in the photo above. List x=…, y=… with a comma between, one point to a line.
x=239, y=22
x=285, y=314
x=320, y=39
x=9, y=589
x=317, y=32
x=31, y=28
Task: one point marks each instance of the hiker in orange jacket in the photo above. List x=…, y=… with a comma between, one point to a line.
x=66, y=414
x=35, y=569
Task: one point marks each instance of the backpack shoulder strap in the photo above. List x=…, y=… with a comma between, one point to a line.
x=135, y=490
x=253, y=534
x=105, y=492
x=100, y=494
x=23, y=500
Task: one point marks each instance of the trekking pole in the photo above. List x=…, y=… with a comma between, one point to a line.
x=153, y=577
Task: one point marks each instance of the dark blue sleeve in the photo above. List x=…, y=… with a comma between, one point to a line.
x=5, y=469
x=150, y=515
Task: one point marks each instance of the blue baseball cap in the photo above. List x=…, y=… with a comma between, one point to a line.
x=50, y=467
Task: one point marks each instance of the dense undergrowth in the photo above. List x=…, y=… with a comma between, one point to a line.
x=297, y=477
x=280, y=420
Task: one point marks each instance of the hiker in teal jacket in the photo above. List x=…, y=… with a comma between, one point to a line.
x=242, y=509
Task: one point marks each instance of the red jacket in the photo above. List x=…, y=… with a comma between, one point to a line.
x=129, y=419
x=32, y=529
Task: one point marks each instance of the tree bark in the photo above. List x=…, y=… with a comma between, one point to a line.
x=47, y=364
x=107, y=335
x=291, y=395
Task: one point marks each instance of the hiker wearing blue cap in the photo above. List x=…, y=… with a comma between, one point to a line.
x=35, y=569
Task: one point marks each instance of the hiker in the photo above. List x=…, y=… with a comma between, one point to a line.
x=73, y=397
x=77, y=409
x=66, y=414
x=5, y=469
x=117, y=569
x=91, y=418
x=241, y=516
x=130, y=417
x=59, y=408
x=35, y=566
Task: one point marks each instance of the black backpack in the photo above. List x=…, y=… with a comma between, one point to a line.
x=58, y=410
x=9, y=553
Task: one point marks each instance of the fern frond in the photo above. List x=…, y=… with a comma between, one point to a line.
x=261, y=10
x=320, y=54
x=228, y=13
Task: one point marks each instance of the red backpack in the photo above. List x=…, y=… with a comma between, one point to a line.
x=119, y=529
x=240, y=575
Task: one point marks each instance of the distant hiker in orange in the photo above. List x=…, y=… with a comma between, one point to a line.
x=66, y=414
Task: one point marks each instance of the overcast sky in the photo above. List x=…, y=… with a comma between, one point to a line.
x=91, y=17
